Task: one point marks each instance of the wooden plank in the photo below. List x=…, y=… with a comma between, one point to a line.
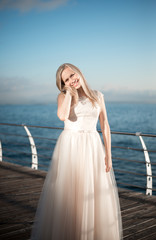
x=136, y=234
x=20, y=189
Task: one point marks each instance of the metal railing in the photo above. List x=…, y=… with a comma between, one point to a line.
x=35, y=162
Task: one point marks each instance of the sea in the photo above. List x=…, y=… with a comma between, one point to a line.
x=122, y=117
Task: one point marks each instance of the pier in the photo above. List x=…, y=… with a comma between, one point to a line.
x=20, y=188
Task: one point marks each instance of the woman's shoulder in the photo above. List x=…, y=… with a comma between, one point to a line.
x=98, y=93
x=61, y=95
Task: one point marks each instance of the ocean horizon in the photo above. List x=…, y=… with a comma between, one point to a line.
x=123, y=117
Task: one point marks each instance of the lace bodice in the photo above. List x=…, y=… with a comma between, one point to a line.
x=83, y=116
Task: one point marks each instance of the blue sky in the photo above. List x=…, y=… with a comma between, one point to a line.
x=112, y=42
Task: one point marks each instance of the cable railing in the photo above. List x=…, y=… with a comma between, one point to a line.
x=13, y=139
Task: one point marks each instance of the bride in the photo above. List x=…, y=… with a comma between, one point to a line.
x=79, y=199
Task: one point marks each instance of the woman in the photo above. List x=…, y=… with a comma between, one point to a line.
x=79, y=200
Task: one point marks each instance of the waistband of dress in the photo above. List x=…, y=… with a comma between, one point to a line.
x=80, y=131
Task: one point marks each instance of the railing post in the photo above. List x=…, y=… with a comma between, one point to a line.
x=148, y=166
x=0, y=151
x=34, y=164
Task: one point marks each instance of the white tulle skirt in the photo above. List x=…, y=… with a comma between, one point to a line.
x=79, y=200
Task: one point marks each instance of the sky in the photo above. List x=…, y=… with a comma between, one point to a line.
x=112, y=42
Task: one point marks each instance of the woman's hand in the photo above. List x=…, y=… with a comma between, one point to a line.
x=108, y=163
x=71, y=90
x=73, y=93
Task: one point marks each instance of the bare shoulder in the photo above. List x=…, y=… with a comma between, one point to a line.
x=60, y=97
x=98, y=94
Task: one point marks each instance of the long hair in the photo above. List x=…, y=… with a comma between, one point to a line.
x=60, y=84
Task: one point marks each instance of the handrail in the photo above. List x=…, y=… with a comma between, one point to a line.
x=0, y=151
x=26, y=144
x=134, y=173
x=61, y=128
x=25, y=153
x=21, y=135
x=136, y=149
x=8, y=158
x=131, y=160
x=20, y=125
x=135, y=186
x=35, y=155
x=134, y=134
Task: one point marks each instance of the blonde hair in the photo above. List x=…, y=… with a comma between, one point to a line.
x=60, y=84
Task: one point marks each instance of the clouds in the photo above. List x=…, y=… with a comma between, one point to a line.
x=123, y=93
x=19, y=90
x=28, y=5
x=133, y=96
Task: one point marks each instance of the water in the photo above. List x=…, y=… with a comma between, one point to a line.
x=124, y=117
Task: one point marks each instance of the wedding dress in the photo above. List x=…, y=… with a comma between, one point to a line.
x=79, y=200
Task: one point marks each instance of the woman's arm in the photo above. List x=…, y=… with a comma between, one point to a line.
x=65, y=101
x=106, y=134
x=64, y=104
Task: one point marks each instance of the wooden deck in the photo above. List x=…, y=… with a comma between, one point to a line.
x=20, y=189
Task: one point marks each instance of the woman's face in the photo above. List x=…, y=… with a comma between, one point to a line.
x=70, y=78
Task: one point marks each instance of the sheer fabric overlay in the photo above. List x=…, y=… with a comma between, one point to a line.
x=79, y=200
